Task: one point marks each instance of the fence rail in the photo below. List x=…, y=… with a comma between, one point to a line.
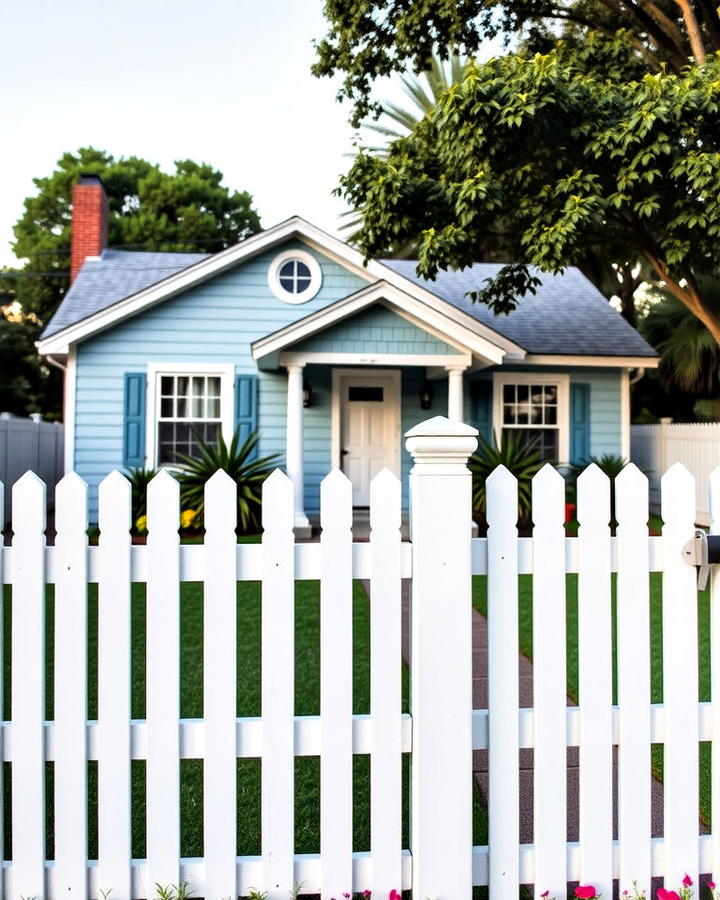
x=441, y=730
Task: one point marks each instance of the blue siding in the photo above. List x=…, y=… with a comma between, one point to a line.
x=212, y=323
x=375, y=330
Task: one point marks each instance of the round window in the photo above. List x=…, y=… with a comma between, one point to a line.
x=294, y=276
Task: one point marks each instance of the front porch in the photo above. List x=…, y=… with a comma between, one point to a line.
x=362, y=372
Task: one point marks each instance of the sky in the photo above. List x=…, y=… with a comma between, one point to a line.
x=225, y=82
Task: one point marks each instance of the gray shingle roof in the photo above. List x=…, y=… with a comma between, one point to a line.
x=116, y=275
x=567, y=315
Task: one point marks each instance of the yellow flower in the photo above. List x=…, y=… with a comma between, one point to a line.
x=141, y=523
x=186, y=518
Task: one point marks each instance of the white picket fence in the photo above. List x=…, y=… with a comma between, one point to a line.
x=442, y=729
x=654, y=448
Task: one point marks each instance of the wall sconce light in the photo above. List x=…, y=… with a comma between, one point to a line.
x=307, y=394
x=427, y=391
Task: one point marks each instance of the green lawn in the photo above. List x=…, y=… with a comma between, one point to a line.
x=307, y=702
x=525, y=628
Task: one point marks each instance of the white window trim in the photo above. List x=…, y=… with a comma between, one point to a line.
x=227, y=399
x=315, y=276
x=500, y=379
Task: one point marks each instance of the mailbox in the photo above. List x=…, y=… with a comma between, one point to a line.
x=702, y=551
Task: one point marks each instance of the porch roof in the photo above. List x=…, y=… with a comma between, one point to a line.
x=444, y=337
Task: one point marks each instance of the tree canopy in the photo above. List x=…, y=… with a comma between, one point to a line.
x=187, y=210
x=603, y=147
x=374, y=38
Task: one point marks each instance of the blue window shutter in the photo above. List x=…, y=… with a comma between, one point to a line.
x=579, y=423
x=246, y=406
x=481, y=393
x=134, y=420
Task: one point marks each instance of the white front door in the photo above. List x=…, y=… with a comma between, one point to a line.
x=369, y=427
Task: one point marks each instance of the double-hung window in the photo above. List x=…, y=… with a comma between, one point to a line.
x=535, y=408
x=189, y=405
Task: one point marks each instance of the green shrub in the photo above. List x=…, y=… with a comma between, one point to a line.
x=236, y=460
x=521, y=457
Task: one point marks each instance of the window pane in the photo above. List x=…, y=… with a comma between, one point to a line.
x=509, y=393
x=550, y=393
x=302, y=285
x=213, y=386
x=537, y=415
x=523, y=414
x=287, y=284
x=287, y=270
x=551, y=415
x=509, y=414
x=213, y=408
x=302, y=270
x=183, y=383
x=166, y=386
x=523, y=392
x=182, y=408
x=374, y=394
x=166, y=408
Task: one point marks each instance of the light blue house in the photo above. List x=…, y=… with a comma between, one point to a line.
x=332, y=360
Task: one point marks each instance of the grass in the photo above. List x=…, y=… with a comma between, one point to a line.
x=307, y=702
x=525, y=636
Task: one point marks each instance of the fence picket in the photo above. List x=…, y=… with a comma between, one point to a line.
x=71, y=826
x=549, y=690
x=385, y=683
x=219, y=688
x=633, y=678
x=595, y=679
x=336, y=684
x=114, y=609
x=163, y=681
x=715, y=673
x=503, y=689
x=278, y=685
x=28, y=686
x=680, y=683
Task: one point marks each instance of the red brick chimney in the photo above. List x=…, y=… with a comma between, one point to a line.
x=89, y=221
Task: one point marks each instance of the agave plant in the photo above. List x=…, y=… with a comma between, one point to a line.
x=139, y=479
x=235, y=459
x=520, y=456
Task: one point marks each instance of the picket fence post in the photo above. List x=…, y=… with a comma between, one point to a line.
x=441, y=657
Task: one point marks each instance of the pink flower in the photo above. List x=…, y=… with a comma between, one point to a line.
x=395, y=895
x=667, y=895
x=545, y=894
x=687, y=880
x=366, y=893
x=585, y=892
x=711, y=885
x=346, y=895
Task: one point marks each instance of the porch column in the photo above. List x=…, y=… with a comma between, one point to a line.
x=455, y=392
x=294, y=447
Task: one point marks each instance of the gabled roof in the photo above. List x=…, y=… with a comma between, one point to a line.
x=568, y=316
x=468, y=337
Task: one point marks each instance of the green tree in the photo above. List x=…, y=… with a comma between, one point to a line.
x=187, y=210
x=375, y=38
x=549, y=158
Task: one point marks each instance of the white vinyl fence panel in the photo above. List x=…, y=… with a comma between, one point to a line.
x=439, y=733
x=654, y=448
x=26, y=444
